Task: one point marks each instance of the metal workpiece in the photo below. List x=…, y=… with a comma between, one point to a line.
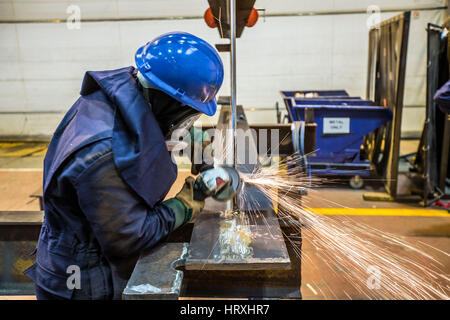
x=256, y=283
x=249, y=241
x=155, y=275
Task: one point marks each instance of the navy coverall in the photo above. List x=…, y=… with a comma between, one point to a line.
x=106, y=173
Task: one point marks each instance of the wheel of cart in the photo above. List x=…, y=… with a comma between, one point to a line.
x=299, y=161
x=356, y=182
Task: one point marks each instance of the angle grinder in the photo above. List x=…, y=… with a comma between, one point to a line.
x=220, y=183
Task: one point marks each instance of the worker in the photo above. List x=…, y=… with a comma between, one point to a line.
x=442, y=97
x=108, y=168
x=442, y=100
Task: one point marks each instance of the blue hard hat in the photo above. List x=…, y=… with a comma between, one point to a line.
x=185, y=67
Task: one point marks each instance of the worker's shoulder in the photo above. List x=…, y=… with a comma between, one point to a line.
x=88, y=156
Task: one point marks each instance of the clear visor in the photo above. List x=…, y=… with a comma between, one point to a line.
x=186, y=125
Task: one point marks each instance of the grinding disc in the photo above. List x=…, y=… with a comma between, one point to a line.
x=229, y=191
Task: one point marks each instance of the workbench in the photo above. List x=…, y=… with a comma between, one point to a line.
x=188, y=264
x=19, y=233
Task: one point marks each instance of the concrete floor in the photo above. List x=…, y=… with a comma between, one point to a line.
x=21, y=176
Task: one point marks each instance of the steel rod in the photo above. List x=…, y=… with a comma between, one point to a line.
x=232, y=15
x=63, y=19
x=233, y=74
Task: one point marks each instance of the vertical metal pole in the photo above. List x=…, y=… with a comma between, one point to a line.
x=233, y=73
x=232, y=6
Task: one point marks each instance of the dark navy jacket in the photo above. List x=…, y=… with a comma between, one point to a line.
x=106, y=172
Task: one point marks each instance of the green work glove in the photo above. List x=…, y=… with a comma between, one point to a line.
x=200, y=138
x=184, y=205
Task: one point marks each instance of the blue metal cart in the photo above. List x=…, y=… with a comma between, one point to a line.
x=342, y=123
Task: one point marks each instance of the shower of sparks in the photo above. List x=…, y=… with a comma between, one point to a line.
x=350, y=249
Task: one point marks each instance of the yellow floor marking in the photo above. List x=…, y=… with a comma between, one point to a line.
x=381, y=212
x=20, y=169
x=4, y=145
x=35, y=150
x=40, y=153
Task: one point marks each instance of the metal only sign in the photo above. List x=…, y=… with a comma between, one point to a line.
x=336, y=125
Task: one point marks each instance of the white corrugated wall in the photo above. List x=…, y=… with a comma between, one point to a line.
x=42, y=63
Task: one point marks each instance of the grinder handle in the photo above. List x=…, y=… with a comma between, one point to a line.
x=200, y=190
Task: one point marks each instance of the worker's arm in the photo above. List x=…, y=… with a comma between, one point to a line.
x=122, y=222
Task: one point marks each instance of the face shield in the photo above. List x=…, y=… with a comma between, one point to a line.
x=184, y=126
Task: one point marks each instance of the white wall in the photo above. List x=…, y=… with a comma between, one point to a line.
x=42, y=64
